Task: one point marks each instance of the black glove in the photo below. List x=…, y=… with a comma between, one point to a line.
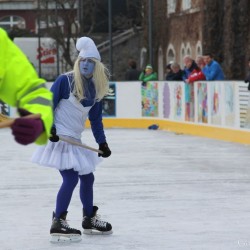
x=54, y=137
x=105, y=149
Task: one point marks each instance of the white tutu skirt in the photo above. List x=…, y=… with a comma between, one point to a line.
x=62, y=155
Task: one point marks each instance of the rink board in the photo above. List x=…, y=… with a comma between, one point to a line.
x=208, y=109
x=225, y=134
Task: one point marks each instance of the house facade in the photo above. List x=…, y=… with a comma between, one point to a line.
x=190, y=27
x=179, y=28
x=182, y=31
x=19, y=14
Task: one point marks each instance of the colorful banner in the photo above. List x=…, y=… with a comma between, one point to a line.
x=178, y=101
x=149, y=94
x=216, y=104
x=166, y=101
x=230, y=104
x=202, y=109
x=189, y=102
x=173, y=101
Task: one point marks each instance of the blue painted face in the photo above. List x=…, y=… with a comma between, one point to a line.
x=87, y=67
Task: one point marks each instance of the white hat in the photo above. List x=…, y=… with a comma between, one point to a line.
x=87, y=48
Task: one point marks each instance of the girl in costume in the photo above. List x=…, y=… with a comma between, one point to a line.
x=77, y=96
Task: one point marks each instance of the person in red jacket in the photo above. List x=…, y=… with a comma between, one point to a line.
x=196, y=73
x=191, y=73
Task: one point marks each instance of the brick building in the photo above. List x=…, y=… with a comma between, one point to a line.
x=179, y=27
x=193, y=26
x=18, y=13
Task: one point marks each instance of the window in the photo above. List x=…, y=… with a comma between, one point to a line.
x=171, y=56
x=186, y=4
x=198, y=48
x=182, y=54
x=8, y=22
x=171, y=6
x=170, y=53
x=188, y=49
x=50, y=21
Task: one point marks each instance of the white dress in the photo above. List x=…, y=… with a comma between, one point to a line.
x=69, y=118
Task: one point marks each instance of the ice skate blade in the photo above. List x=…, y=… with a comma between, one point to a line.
x=62, y=238
x=96, y=232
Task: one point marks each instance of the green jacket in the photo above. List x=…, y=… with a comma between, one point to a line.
x=147, y=78
x=21, y=87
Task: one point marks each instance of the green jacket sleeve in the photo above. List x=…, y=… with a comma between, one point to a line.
x=151, y=77
x=21, y=87
x=141, y=77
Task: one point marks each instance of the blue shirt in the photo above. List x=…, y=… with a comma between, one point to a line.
x=213, y=71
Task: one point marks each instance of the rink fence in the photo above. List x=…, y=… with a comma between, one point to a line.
x=218, y=109
x=210, y=109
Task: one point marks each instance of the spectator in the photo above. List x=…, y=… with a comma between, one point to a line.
x=21, y=87
x=192, y=72
x=148, y=74
x=190, y=65
x=132, y=74
x=200, y=62
x=168, y=70
x=176, y=74
x=247, y=80
x=212, y=70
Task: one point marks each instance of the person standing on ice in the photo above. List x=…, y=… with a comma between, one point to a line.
x=21, y=87
x=77, y=95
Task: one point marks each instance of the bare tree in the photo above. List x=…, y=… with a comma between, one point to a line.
x=90, y=7
x=66, y=20
x=58, y=20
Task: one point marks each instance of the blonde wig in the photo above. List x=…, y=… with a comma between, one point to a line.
x=100, y=78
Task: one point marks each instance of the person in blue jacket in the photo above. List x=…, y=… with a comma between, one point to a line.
x=212, y=70
x=77, y=96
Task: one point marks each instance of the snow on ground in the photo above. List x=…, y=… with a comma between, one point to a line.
x=159, y=190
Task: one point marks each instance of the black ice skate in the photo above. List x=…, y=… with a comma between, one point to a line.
x=61, y=232
x=92, y=225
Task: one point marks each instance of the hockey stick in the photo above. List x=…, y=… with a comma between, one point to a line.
x=6, y=122
x=79, y=144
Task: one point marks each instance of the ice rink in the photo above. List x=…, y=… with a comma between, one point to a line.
x=159, y=190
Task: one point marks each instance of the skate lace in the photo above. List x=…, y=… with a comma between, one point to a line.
x=97, y=222
x=65, y=224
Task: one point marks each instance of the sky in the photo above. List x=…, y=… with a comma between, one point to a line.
x=159, y=190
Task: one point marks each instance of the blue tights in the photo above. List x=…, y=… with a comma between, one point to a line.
x=70, y=180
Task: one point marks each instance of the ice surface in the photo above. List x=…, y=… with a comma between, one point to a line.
x=159, y=190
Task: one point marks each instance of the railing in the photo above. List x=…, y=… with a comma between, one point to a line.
x=118, y=39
